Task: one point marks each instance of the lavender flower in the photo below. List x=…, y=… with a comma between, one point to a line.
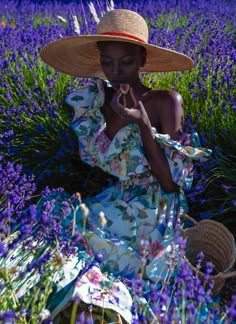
x=33, y=114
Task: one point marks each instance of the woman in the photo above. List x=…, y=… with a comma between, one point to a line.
x=136, y=134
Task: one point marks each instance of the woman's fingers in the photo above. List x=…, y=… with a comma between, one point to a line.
x=124, y=100
x=120, y=107
x=115, y=101
x=117, y=96
x=133, y=97
x=140, y=105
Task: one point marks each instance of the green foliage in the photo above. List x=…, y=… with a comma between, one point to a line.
x=39, y=19
x=45, y=144
x=198, y=106
x=14, y=286
x=171, y=21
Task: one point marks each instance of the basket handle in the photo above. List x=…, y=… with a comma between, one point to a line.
x=228, y=275
x=187, y=217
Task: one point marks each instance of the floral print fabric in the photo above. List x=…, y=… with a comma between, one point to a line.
x=140, y=216
x=137, y=210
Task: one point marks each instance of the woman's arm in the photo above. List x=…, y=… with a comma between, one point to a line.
x=170, y=115
x=170, y=118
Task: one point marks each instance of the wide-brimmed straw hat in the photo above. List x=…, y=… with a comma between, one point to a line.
x=79, y=55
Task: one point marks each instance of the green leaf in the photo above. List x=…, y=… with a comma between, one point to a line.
x=77, y=98
x=142, y=214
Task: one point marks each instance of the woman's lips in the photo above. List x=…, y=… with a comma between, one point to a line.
x=124, y=88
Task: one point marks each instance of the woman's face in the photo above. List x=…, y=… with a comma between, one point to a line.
x=121, y=62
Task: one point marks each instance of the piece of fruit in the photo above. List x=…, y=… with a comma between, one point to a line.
x=124, y=88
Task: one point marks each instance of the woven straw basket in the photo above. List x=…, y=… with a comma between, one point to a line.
x=218, y=246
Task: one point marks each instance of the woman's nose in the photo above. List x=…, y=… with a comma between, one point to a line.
x=116, y=68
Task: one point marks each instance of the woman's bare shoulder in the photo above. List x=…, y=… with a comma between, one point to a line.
x=165, y=109
x=166, y=101
x=164, y=96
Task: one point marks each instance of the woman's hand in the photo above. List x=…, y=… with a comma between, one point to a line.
x=136, y=114
x=154, y=153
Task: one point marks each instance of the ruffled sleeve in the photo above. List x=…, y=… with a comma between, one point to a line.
x=180, y=156
x=87, y=118
x=124, y=155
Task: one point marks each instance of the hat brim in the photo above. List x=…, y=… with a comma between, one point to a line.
x=79, y=56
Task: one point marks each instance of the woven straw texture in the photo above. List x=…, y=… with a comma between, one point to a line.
x=79, y=55
x=218, y=246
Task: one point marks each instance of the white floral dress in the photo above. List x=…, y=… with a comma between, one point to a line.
x=137, y=210
x=142, y=220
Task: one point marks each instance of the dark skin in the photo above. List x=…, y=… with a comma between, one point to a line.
x=143, y=106
x=146, y=107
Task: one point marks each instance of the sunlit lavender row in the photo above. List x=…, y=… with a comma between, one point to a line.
x=205, y=31
x=39, y=150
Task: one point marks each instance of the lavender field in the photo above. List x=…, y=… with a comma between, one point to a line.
x=39, y=150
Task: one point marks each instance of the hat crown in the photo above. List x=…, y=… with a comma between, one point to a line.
x=122, y=21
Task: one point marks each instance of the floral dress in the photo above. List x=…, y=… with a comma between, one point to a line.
x=139, y=216
x=137, y=211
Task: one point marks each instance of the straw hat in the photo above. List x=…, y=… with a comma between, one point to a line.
x=79, y=55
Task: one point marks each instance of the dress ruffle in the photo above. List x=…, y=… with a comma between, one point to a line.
x=139, y=213
x=137, y=201
x=123, y=156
